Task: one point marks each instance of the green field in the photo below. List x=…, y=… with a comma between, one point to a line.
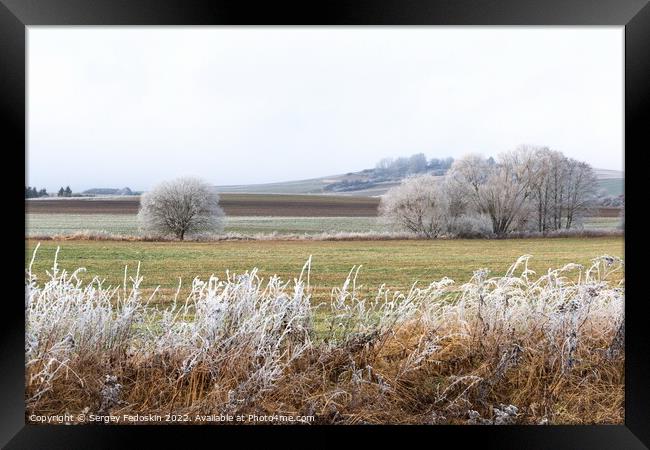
x=49, y=224
x=602, y=223
x=310, y=186
x=613, y=186
x=396, y=263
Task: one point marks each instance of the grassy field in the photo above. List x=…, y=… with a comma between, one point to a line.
x=602, y=223
x=396, y=263
x=613, y=186
x=48, y=224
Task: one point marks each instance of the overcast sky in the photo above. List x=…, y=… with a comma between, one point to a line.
x=119, y=106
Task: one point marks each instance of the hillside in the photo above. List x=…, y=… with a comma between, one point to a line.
x=312, y=186
x=611, y=181
x=367, y=183
x=109, y=191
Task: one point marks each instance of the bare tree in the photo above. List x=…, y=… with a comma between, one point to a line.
x=581, y=190
x=501, y=190
x=466, y=179
x=417, y=163
x=540, y=185
x=400, y=166
x=181, y=207
x=418, y=205
x=384, y=166
x=562, y=189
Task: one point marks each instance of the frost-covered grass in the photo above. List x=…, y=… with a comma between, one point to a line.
x=52, y=224
x=115, y=226
x=124, y=224
x=602, y=223
x=519, y=347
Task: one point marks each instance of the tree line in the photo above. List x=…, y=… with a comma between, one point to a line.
x=527, y=189
x=32, y=192
x=67, y=192
x=414, y=164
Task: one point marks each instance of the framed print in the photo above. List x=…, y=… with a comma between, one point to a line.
x=369, y=217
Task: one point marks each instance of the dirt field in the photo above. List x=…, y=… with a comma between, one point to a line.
x=274, y=205
x=608, y=212
x=233, y=204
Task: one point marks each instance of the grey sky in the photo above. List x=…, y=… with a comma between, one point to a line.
x=115, y=106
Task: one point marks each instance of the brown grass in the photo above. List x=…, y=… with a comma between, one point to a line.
x=322, y=383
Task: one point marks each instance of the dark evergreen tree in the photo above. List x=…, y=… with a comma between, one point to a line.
x=61, y=192
x=68, y=191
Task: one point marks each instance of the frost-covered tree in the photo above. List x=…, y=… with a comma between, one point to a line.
x=466, y=179
x=499, y=190
x=418, y=205
x=181, y=207
x=417, y=163
x=563, y=189
x=527, y=188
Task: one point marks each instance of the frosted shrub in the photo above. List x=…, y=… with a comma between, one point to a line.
x=418, y=205
x=67, y=320
x=470, y=226
x=353, y=318
x=261, y=326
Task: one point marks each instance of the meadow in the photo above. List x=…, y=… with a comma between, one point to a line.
x=39, y=224
x=44, y=224
x=397, y=264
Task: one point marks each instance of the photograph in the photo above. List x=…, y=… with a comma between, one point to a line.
x=325, y=225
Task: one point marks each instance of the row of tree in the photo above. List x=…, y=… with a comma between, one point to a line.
x=67, y=192
x=32, y=192
x=528, y=189
x=415, y=164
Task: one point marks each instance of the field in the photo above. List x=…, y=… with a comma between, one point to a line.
x=613, y=186
x=233, y=205
x=602, y=223
x=48, y=224
x=245, y=214
x=397, y=264
x=55, y=224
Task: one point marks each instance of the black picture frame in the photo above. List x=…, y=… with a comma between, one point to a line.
x=634, y=15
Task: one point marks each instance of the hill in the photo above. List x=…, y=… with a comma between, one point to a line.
x=368, y=182
x=109, y=191
x=371, y=184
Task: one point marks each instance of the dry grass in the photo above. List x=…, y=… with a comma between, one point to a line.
x=517, y=348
